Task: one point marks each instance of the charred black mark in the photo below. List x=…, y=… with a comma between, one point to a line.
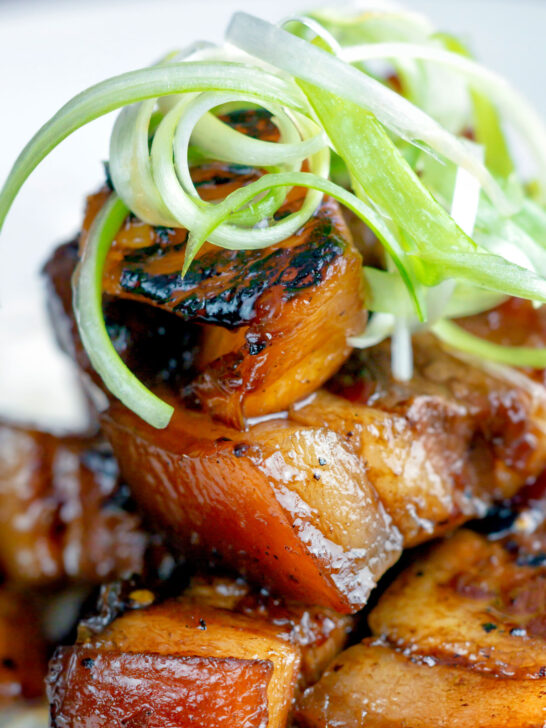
x=88, y=663
x=159, y=288
x=255, y=344
x=202, y=624
x=163, y=247
x=164, y=233
x=248, y=275
x=9, y=663
x=253, y=122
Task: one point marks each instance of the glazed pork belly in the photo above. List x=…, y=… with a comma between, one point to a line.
x=63, y=511
x=218, y=655
x=275, y=321
x=459, y=640
x=288, y=505
x=441, y=448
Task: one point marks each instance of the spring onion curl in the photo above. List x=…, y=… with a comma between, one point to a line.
x=513, y=105
x=308, y=63
x=87, y=285
x=461, y=231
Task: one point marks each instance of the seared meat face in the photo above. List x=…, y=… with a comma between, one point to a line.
x=276, y=321
x=219, y=655
x=62, y=510
x=372, y=685
x=460, y=641
x=474, y=603
x=288, y=505
x=442, y=447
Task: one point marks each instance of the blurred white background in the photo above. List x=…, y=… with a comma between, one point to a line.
x=49, y=51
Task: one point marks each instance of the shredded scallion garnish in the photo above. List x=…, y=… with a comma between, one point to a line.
x=460, y=228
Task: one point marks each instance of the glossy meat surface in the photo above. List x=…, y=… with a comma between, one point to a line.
x=219, y=651
x=148, y=690
x=473, y=602
x=373, y=686
x=460, y=640
x=61, y=510
x=22, y=650
x=441, y=448
x=290, y=506
x=276, y=320
x=319, y=633
x=438, y=450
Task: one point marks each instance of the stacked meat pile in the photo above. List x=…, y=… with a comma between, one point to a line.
x=291, y=478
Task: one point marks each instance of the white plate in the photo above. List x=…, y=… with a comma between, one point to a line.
x=51, y=50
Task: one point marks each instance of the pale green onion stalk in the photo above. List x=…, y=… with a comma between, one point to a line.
x=88, y=309
x=460, y=229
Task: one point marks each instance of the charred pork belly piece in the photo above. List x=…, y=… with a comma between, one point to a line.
x=441, y=448
x=23, y=660
x=275, y=321
x=219, y=655
x=289, y=505
x=460, y=641
x=62, y=510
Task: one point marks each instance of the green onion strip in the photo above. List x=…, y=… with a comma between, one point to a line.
x=450, y=250
x=88, y=309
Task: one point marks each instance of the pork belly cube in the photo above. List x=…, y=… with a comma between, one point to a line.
x=109, y=689
x=61, y=510
x=441, y=448
x=460, y=640
x=372, y=685
x=275, y=321
x=289, y=506
x=23, y=661
x=318, y=632
x=472, y=602
x=219, y=655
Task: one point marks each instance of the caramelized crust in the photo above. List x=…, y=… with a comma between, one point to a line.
x=442, y=447
x=474, y=603
x=22, y=650
x=288, y=505
x=61, y=510
x=319, y=633
x=276, y=320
